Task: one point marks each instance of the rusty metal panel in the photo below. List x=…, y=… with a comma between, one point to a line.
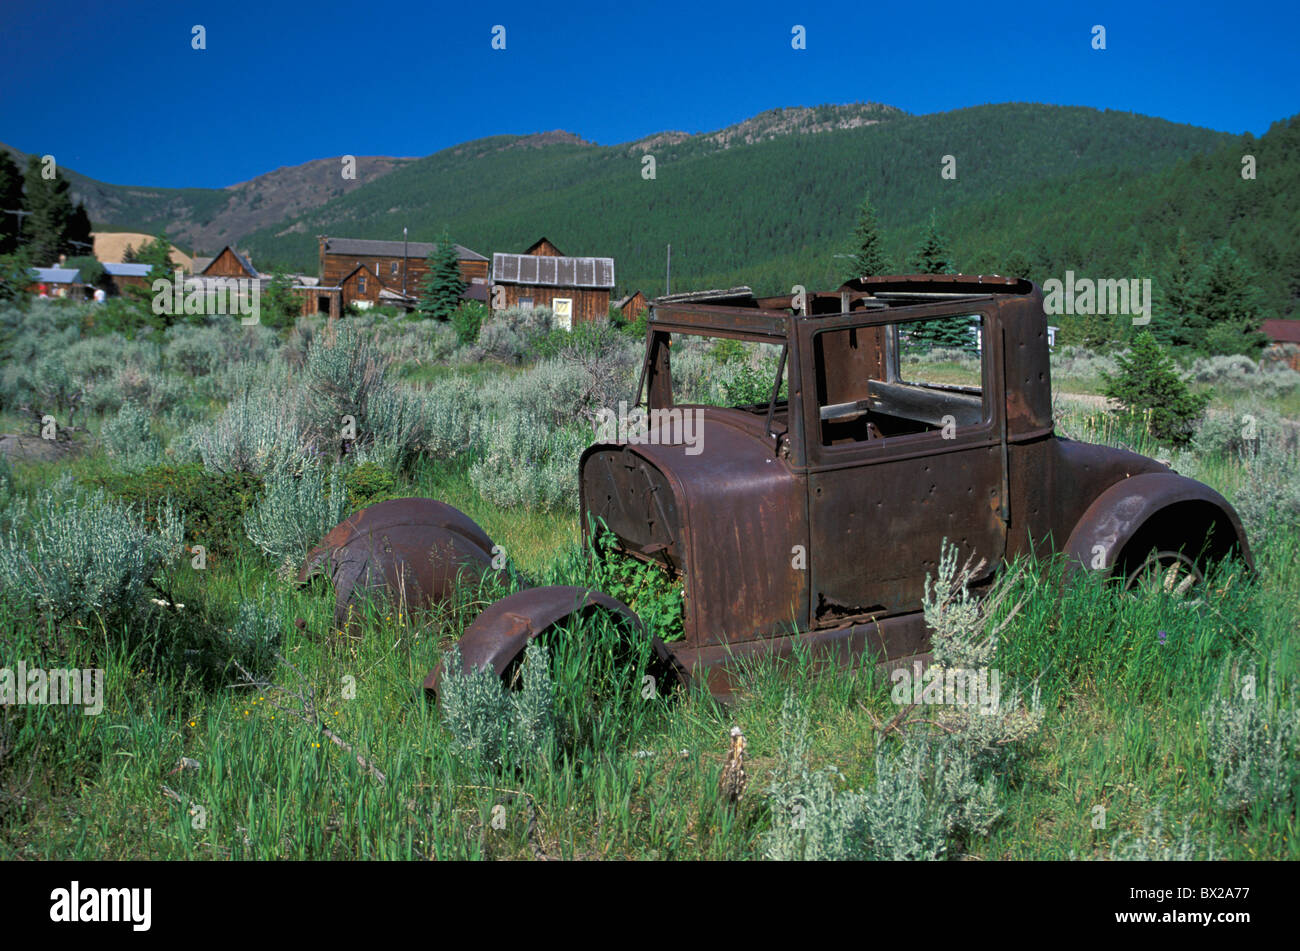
x=498, y=636
x=737, y=515
x=411, y=551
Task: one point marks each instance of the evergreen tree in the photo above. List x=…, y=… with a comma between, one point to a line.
x=442, y=286
x=1148, y=381
x=868, y=252
x=931, y=256
x=79, y=231
x=1175, y=320
x=1231, y=304
x=157, y=254
x=11, y=200
x=1017, y=264
x=50, y=205
x=280, y=306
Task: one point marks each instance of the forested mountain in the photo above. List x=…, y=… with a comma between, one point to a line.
x=770, y=212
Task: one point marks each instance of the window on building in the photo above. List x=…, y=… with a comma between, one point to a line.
x=393, y=269
x=525, y=303
x=361, y=284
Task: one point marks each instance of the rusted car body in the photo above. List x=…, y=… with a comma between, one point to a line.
x=816, y=517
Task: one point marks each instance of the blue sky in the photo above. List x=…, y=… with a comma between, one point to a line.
x=115, y=90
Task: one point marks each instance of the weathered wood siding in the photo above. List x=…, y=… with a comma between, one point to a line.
x=226, y=264
x=588, y=303
x=335, y=267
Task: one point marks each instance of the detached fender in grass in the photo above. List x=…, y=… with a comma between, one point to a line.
x=1155, y=510
x=415, y=551
x=499, y=635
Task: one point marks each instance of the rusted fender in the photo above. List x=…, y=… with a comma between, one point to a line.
x=499, y=635
x=414, y=549
x=1118, y=514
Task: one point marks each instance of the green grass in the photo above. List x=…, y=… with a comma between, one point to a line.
x=637, y=778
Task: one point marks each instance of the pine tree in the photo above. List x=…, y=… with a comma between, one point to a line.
x=868, y=252
x=279, y=305
x=11, y=200
x=157, y=254
x=1176, y=321
x=79, y=235
x=50, y=204
x=1148, y=382
x=1229, y=299
x=931, y=256
x=441, y=288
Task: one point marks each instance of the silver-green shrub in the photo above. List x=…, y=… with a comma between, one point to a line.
x=74, y=554
x=1251, y=737
x=1239, y=372
x=493, y=724
x=258, y=432
x=1153, y=845
x=296, y=511
x=902, y=819
x=1268, y=496
x=526, y=465
x=129, y=440
x=813, y=818
x=511, y=335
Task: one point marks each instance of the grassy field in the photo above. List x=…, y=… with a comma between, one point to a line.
x=333, y=752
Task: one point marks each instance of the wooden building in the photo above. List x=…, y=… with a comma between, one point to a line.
x=399, y=266
x=118, y=277
x=1283, y=342
x=229, y=263
x=360, y=285
x=62, y=282
x=318, y=298
x=575, y=289
x=543, y=247
x=632, y=306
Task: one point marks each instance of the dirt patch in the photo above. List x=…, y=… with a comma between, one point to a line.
x=35, y=449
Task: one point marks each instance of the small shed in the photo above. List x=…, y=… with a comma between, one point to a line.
x=120, y=276
x=576, y=289
x=57, y=282
x=632, y=306
x=1283, y=342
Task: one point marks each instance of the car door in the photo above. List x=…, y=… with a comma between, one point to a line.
x=904, y=449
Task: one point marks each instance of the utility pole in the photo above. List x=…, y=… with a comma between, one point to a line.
x=668, y=276
x=404, y=260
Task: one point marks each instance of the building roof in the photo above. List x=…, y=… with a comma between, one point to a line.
x=414, y=249
x=114, y=269
x=552, y=272
x=623, y=301
x=541, y=241
x=55, y=275
x=200, y=265
x=244, y=261
x=1282, y=331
